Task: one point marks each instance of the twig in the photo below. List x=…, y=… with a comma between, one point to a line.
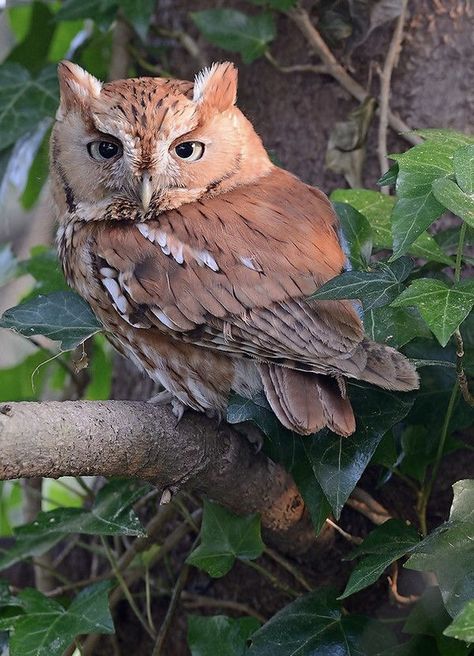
x=199, y=601
x=188, y=43
x=302, y=20
x=361, y=501
x=175, y=596
x=353, y=539
x=120, y=59
x=462, y=378
x=395, y=596
x=274, y=580
x=295, y=68
x=283, y=562
x=391, y=62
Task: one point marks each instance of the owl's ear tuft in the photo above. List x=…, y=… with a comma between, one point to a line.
x=76, y=85
x=216, y=86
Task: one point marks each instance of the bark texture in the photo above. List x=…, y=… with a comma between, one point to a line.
x=135, y=439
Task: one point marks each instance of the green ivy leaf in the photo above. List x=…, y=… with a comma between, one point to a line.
x=25, y=101
x=358, y=235
x=139, y=13
x=377, y=208
x=416, y=207
x=111, y=514
x=44, y=266
x=449, y=551
x=448, y=193
x=32, y=51
x=225, y=537
x=462, y=627
x=47, y=628
x=373, y=288
x=443, y=308
x=102, y=11
x=389, y=178
x=208, y=636
x=8, y=264
x=279, y=5
x=383, y=546
x=444, y=137
x=61, y=316
x=315, y=624
x=338, y=463
x=428, y=618
x=233, y=30
x=463, y=160
x=395, y=326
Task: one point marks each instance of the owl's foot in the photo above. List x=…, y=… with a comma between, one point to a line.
x=164, y=398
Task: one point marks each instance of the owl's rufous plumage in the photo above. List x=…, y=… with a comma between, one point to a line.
x=200, y=267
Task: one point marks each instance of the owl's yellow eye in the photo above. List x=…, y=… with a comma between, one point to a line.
x=103, y=150
x=190, y=150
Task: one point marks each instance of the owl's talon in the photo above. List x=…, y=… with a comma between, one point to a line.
x=166, y=496
x=178, y=409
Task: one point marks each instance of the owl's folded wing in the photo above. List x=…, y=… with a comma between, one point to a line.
x=234, y=272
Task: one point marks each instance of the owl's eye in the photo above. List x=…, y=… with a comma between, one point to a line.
x=190, y=150
x=103, y=150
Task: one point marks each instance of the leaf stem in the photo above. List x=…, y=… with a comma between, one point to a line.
x=425, y=492
x=272, y=578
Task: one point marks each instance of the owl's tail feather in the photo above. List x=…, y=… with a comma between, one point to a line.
x=306, y=403
x=388, y=368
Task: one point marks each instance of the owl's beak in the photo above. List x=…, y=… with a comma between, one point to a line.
x=146, y=190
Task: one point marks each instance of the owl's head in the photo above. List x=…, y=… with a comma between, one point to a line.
x=149, y=142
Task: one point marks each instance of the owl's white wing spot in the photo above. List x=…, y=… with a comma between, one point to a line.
x=115, y=292
x=174, y=247
x=250, y=264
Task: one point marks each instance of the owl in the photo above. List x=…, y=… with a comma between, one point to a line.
x=199, y=255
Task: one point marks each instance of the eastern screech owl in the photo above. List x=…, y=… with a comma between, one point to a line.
x=198, y=254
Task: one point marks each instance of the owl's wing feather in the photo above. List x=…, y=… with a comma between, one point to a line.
x=234, y=272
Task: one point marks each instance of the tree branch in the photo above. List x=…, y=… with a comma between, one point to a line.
x=137, y=439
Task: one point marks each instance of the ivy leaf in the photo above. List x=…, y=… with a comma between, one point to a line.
x=389, y=178
x=32, y=51
x=25, y=101
x=462, y=627
x=44, y=266
x=448, y=193
x=451, y=139
x=428, y=618
x=443, y=308
x=338, y=463
x=111, y=514
x=395, y=326
x=357, y=233
x=47, y=628
x=225, y=537
x=463, y=160
x=102, y=11
x=417, y=207
x=8, y=264
x=377, y=208
x=62, y=316
x=449, y=551
x=383, y=546
x=208, y=636
x=233, y=30
x=279, y=5
x=139, y=13
x=373, y=288
x=314, y=624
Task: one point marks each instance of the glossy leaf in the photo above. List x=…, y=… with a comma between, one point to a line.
x=449, y=551
x=357, y=233
x=225, y=537
x=384, y=545
x=61, y=316
x=389, y=178
x=451, y=139
x=111, y=514
x=463, y=160
x=25, y=101
x=416, y=207
x=395, y=326
x=448, y=193
x=47, y=628
x=377, y=208
x=233, y=30
x=314, y=624
x=443, y=307
x=209, y=636
x=373, y=288
x=462, y=627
